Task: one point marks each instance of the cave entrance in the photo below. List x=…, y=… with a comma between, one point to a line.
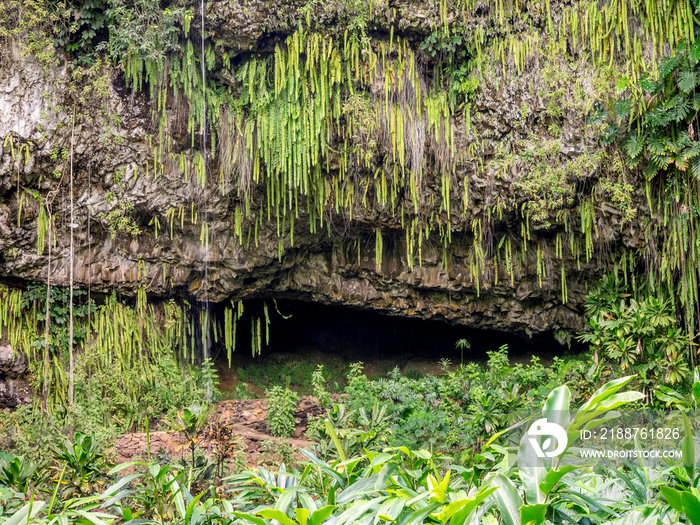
x=304, y=334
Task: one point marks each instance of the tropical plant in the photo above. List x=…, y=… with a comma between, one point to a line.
x=397, y=485
x=543, y=495
x=683, y=494
x=157, y=489
x=190, y=423
x=82, y=464
x=15, y=472
x=461, y=344
x=642, y=334
x=281, y=404
x=663, y=136
x=319, y=387
x=225, y=446
x=680, y=400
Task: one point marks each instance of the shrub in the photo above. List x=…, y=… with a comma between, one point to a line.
x=640, y=334
x=281, y=403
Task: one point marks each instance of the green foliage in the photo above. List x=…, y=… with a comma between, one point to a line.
x=120, y=219
x=35, y=298
x=157, y=493
x=281, y=404
x=547, y=186
x=541, y=479
x=347, y=432
x=641, y=335
x=127, y=369
x=190, y=422
x=298, y=372
x=458, y=411
x=28, y=433
x=142, y=30
x=319, y=387
x=353, y=480
x=275, y=454
x=83, y=27
x=81, y=465
x=15, y=472
x=663, y=135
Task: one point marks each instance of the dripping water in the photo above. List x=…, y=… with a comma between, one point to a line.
x=205, y=319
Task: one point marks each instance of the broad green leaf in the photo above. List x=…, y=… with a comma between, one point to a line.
x=556, y=408
x=622, y=108
x=633, y=145
x=177, y=496
x=122, y=466
x=250, y=517
x=419, y=515
x=533, y=514
x=286, y=499
x=334, y=436
x=688, y=448
x=112, y=489
x=619, y=399
x=422, y=453
x=656, y=146
x=322, y=514
x=274, y=514
x=352, y=514
x=111, y=501
x=302, y=516
x=673, y=497
x=691, y=507
x=489, y=520
x=307, y=502
x=468, y=506
x=390, y=509
x=25, y=514
x=635, y=517
x=361, y=487
x=696, y=385
x=553, y=477
x=323, y=466
x=380, y=459
x=507, y=499
x=92, y=517
x=604, y=392
x=191, y=506
x=687, y=80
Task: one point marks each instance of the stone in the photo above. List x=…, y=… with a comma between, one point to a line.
x=11, y=365
x=14, y=392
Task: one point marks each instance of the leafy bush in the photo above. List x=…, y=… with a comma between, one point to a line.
x=299, y=374
x=636, y=334
x=319, y=387
x=27, y=432
x=190, y=422
x=281, y=404
x=81, y=464
x=15, y=472
x=456, y=412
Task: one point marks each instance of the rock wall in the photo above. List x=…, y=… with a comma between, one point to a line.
x=14, y=388
x=521, y=120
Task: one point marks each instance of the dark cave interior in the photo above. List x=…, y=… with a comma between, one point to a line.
x=307, y=327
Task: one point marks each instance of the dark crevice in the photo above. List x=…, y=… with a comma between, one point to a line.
x=366, y=335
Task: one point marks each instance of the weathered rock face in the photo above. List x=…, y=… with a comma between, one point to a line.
x=513, y=115
x=14, y=388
